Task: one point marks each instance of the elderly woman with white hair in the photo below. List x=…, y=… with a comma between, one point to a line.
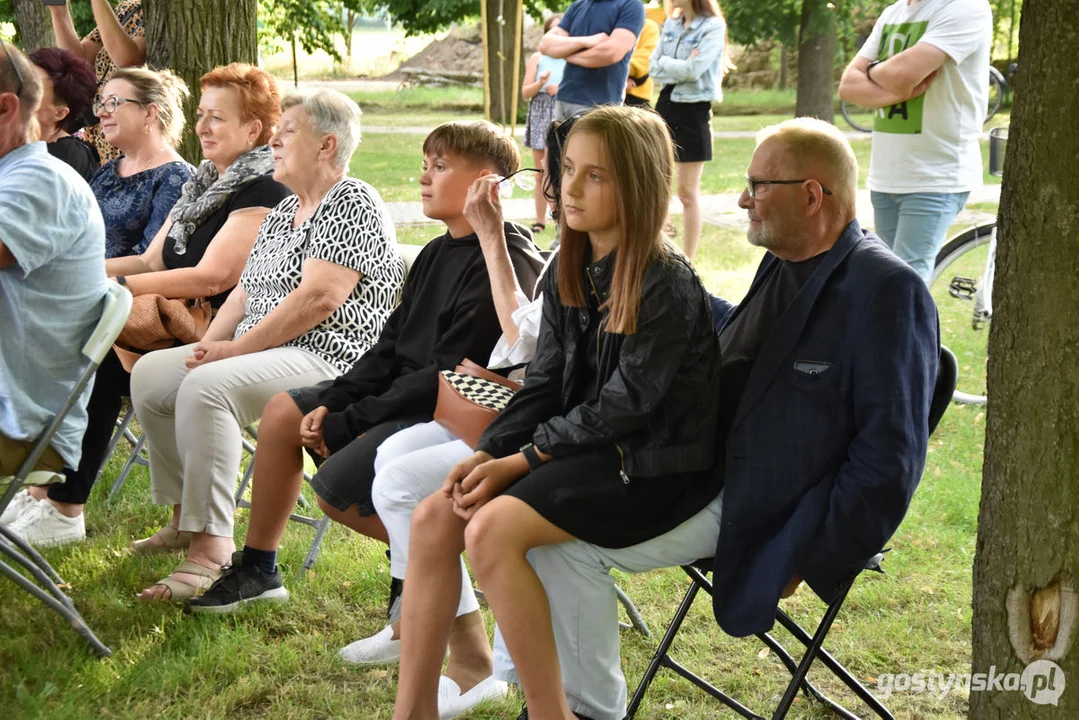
x=321, y=280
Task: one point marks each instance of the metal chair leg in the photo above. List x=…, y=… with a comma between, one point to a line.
x=634, y=614
x=121, y=431
x=316, y=544
x=661, y=652
x=66, y=610
x=834, y=666
x=132, y=460
x=31, y=553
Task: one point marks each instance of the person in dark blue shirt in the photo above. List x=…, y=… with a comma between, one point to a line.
x=596, y=38
x=141, y=113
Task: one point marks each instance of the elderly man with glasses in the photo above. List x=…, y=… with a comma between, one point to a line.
x=52, y=279
x=827, y=372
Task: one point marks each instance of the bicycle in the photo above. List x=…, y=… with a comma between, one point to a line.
x=861, y=118
x=962, y=286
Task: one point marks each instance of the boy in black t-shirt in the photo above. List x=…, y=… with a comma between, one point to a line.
x=446, y=314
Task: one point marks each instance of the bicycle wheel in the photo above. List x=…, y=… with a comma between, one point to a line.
x=996, y=93
x=860, y=118
x=962, y=269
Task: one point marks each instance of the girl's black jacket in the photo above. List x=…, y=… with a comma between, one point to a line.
x=658, y=398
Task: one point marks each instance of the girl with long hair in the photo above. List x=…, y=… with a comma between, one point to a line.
x=611, y=438
x=689, y=64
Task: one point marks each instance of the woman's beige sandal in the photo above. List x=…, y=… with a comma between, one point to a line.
x=170, y=539
x=179, y=590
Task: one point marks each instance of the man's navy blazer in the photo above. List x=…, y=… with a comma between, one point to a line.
x=830, y=435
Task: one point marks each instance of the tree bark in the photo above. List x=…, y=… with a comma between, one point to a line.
x=503, y=65
x=192, y=37
x=816, y=61
x=35, y=26
x=1027, y=555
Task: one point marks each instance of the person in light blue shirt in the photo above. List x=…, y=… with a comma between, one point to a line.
x=688, y=65
x=52, y=279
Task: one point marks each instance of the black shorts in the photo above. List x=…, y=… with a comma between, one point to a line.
x=690, y=125
x=344, y=479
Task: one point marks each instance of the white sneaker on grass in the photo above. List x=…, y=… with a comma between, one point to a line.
x=44, y=526
x=452, y=702
x=18, y=505
x=379, y=649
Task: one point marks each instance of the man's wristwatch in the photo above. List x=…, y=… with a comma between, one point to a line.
x=870, y=66
x=531, y=456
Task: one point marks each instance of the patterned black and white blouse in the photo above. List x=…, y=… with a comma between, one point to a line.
x=351, y=227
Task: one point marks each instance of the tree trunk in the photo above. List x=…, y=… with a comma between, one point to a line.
x=35, y=26
x=1027, y=555
x=816, y=61
x=503, y=67
x=191, y=37
x=784, y=60
x=295, y=64
x=350, y=25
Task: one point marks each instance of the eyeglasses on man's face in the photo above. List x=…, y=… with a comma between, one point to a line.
x=109, y=105
x=18, y=73
x=752, y=185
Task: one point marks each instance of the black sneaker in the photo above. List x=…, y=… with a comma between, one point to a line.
x=241, y=584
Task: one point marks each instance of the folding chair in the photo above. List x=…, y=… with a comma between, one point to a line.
x=122, y=431
x=117, y=305
x=942, y=394
x=138, y=456
x=321, y=526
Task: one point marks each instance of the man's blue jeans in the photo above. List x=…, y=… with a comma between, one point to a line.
x=914, y=224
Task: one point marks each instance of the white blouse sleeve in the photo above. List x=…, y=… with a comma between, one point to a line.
x=527, y=318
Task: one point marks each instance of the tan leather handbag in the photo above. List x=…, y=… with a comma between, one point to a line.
x=469, y=398
x=157, y=322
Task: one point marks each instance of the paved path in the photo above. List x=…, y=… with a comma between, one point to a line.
x=720, y=210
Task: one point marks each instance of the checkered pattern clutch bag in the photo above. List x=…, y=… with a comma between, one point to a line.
x=469, y=398
x=480, y=391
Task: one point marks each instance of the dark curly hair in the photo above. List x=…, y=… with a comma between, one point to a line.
x=73, y=83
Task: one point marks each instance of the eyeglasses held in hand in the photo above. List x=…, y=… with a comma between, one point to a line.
x=751, y=185
x=111, y=104
x=18, y=73
x=525, y=178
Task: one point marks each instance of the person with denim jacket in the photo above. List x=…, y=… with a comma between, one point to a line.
x=688, y=65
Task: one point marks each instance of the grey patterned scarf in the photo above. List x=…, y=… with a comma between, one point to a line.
x=206, y=192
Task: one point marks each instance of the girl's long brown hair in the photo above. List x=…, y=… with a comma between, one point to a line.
x=640, y=164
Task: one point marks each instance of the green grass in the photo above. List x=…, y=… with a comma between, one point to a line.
x=391, y=162
x=417, y=102
x=279, y=662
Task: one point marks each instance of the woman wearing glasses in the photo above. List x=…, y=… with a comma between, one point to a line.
x=117, y=41
x=141, y=113
x=199, y=252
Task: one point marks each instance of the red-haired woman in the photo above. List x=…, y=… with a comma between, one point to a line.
x=68, y=85
x=199, y=252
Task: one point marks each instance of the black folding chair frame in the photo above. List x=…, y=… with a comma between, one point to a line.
x=798, y=670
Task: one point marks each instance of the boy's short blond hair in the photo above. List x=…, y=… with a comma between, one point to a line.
x=481, y=142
